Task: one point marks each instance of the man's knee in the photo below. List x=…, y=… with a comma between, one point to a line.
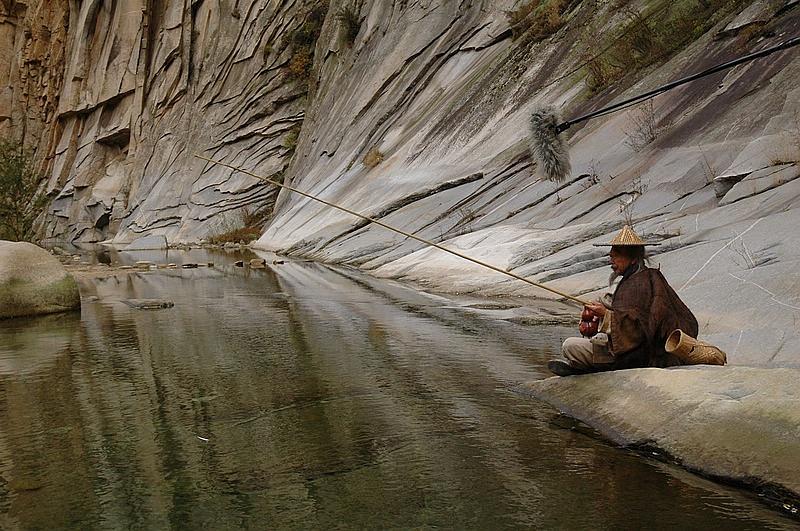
x=576, y=348
x=581, y=353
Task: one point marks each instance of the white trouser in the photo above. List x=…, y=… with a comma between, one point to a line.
x=583, y=354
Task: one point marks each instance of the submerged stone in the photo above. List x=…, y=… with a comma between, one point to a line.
x=149, y=304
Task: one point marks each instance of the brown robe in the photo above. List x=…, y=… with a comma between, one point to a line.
x=645, y=311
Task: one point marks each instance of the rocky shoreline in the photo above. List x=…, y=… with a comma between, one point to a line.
x=738, y=425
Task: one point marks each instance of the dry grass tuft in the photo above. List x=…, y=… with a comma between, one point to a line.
x=244, y=234
x=246, y=227
x=643, y=127
x=536, y=19
x=373, y=158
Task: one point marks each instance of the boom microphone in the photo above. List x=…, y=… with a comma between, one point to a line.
x=547, y=146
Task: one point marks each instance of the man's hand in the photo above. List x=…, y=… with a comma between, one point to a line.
x=597, y=308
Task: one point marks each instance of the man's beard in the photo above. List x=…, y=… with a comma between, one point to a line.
x=614, y=275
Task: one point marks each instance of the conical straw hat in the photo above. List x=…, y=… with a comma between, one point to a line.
x=627, y=236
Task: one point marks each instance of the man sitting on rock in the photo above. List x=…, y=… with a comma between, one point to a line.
x=635, y=322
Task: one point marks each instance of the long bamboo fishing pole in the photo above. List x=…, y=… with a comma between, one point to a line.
x=394, y=229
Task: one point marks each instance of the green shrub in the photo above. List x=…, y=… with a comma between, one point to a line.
x=636, y=45
x=302, y=41
x=20, y=202
x=646, y=39
x=290, y=140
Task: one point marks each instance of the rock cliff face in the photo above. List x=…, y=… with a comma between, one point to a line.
x=442, y=93
x=32, y=52
x=119, y=95
x=421, y=120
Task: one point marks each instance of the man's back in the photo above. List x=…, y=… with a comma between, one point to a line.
x=646, y=310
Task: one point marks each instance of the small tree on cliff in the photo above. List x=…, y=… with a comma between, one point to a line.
x=19, y=202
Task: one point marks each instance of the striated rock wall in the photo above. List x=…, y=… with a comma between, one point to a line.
x=33, y=39
x=127, y=91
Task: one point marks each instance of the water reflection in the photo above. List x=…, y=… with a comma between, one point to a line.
x=302, y=396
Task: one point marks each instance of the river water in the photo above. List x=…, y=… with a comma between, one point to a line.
x=302, y=396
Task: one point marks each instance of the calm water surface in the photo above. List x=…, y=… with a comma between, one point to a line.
x=307, y=397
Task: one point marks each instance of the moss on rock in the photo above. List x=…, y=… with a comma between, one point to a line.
x=20, y=298
x=32, y=282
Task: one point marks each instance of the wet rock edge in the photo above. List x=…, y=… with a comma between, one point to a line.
x=772, y=494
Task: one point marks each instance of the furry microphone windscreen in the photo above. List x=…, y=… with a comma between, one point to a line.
x=547, y=146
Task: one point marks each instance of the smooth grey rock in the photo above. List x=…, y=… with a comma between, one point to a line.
x=154, y=242
x=724, y=183
x=758, y=12
x=729, y=422
x=761, y=181
x=33, y=282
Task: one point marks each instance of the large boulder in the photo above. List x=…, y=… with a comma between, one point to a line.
x=32, y=282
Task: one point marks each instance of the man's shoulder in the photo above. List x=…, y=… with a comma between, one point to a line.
x=645, y=276
x=655, y=276
x=653, y=272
